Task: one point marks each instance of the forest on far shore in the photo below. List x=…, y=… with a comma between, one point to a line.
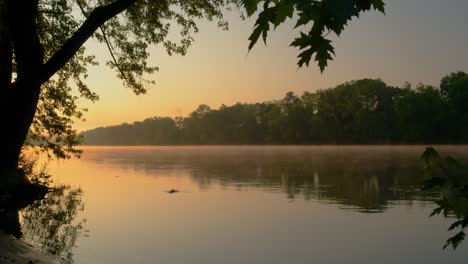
x=366, y=111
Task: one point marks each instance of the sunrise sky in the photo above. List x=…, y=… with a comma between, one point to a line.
x=416, y=41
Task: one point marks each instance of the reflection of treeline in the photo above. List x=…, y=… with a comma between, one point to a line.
x=361, y=112
x=351, y=178
x=357, y=177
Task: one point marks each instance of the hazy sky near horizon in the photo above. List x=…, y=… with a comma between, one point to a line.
x=416, y=41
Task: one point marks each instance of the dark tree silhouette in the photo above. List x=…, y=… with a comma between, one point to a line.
x=358, y=112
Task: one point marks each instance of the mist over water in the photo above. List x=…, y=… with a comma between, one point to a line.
x=253, y=204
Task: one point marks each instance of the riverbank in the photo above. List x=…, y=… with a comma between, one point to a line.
x=16, y=193
x=13, y=250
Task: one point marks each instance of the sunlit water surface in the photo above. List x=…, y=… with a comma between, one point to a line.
x=353, y=204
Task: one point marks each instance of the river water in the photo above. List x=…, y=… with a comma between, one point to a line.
x=242, y=204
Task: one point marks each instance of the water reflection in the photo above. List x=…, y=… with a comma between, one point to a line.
x=51, y=224
x=256, y=205
x=359, y=178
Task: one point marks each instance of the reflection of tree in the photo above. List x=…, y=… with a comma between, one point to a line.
x=51, y=224
x=359, y=178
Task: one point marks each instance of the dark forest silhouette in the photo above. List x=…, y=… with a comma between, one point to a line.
x=365, y=111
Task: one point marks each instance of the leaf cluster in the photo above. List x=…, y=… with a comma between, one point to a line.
x=317, y=18
x=451, y=178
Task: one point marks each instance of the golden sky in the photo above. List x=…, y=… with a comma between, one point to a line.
x=417, y=41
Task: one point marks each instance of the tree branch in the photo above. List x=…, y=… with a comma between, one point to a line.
x=96, y=19
x=110, y=48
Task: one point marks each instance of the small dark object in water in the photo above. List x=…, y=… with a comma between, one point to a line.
x=172, y=191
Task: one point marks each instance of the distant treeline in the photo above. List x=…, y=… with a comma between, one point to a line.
x=365, y=111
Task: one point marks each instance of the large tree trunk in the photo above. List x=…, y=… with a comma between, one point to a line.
x=7, y=162
x=5, y=47
x=18, y=100
x=17, y=108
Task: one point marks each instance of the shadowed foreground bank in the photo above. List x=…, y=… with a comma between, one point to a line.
x=13, y=250
x=37, y=221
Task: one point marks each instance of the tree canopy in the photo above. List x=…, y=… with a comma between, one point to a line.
x=127, y=29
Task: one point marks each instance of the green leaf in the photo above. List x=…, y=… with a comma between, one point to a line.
x=265, y=32
x=262, y=26
x=305, y=57
x=324, y=53
x=315, y=44
x=456, y=240
x=254, y=36
x=303, y=20
x=430, y=156
x=455, y=224
x=250, y=6
x=436, y=211
x=443, y=207
x=378, y=5
x=284, y=10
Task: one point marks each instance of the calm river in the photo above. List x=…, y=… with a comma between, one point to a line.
x=242, y=204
